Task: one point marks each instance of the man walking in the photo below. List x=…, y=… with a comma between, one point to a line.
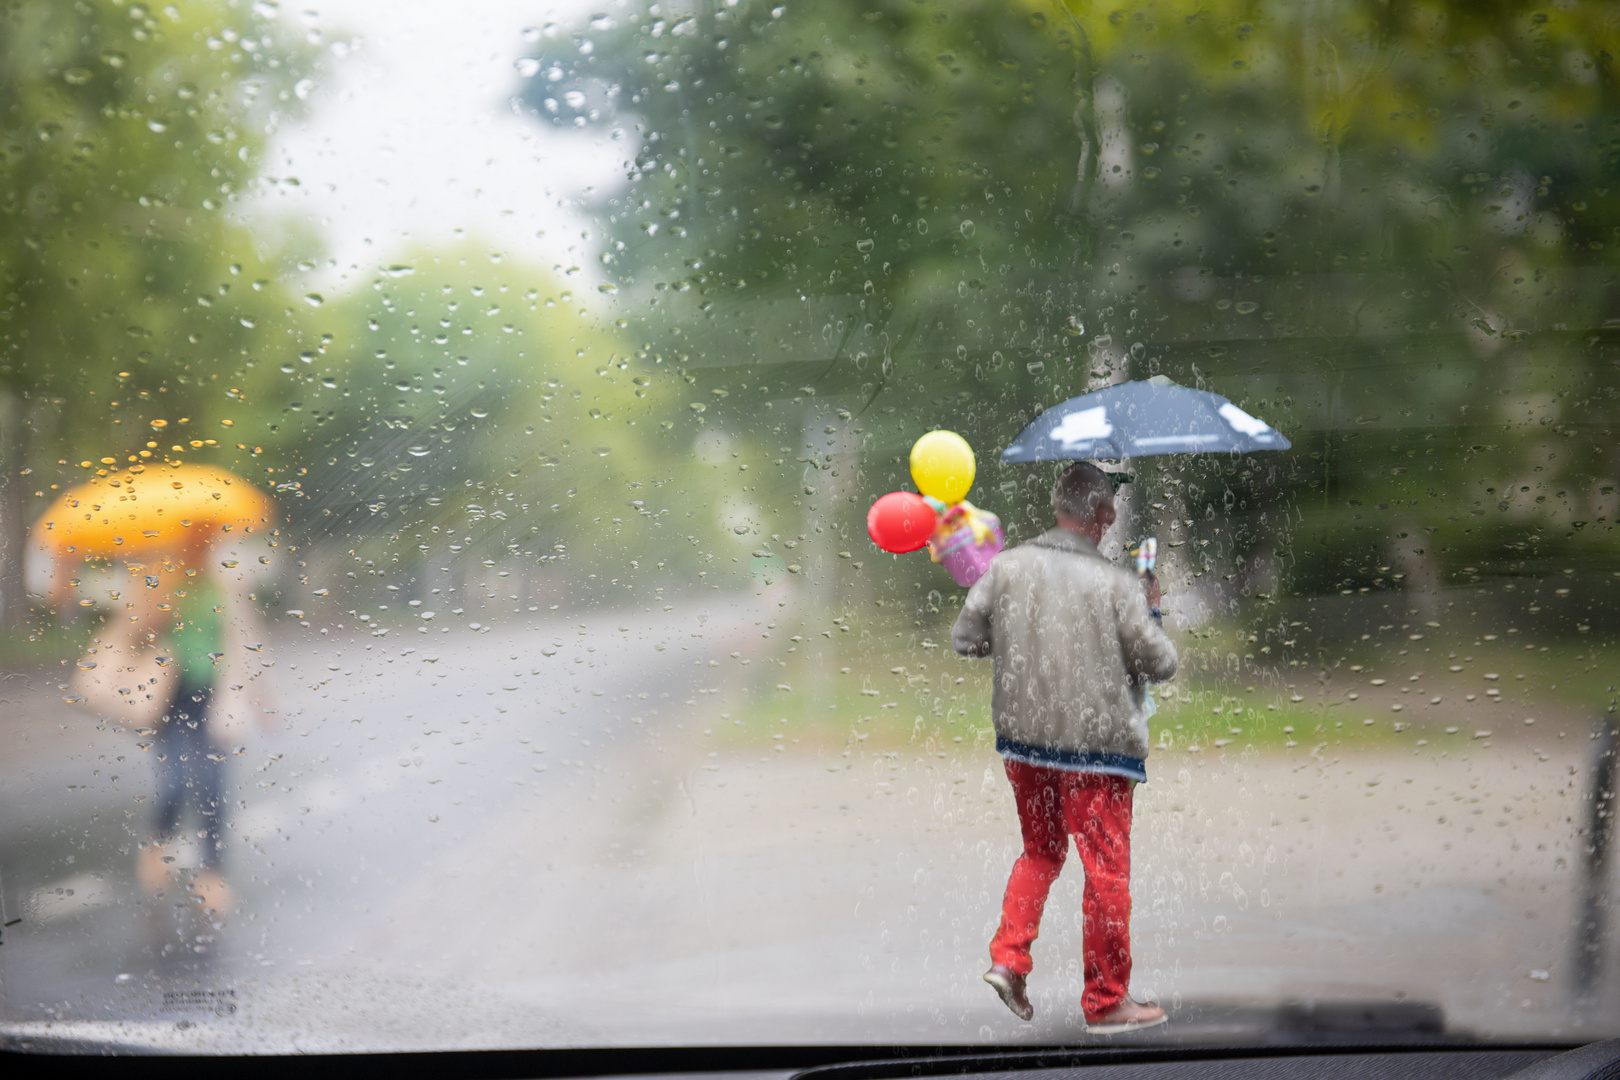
x=1075, y=640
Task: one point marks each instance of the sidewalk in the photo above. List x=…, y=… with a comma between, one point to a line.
x=858, y=894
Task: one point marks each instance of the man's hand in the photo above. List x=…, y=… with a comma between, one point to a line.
x=1150, y=585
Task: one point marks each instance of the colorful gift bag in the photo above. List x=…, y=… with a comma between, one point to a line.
x=965, y=541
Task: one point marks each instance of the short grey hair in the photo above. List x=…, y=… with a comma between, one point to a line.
x=1080, y=491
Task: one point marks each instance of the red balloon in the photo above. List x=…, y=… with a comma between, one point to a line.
x=900, y=521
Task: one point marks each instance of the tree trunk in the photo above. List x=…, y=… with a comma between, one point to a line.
x=13, y=510
x=1075, y=219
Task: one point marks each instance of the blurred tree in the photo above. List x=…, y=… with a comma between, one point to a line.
x=130, y=303
x=1373, y=221
x=464, y=406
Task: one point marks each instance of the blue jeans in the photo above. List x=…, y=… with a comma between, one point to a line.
x=190, y=772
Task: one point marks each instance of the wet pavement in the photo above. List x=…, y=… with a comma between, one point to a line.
x=526, y=836
x=386, y=760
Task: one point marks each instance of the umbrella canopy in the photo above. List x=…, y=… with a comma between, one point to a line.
x=1141, y=419
x=159, y=511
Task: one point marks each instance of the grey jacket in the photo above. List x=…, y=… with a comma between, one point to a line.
x=1074, y=648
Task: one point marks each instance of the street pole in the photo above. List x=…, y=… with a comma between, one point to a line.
x=1591, y=925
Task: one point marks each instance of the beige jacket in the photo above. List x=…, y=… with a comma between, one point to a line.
x=1074, y=648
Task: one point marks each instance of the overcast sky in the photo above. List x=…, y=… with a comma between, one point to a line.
x=413, y=141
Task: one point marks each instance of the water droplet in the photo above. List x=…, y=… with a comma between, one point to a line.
x=113, y=58
x=400, y=270
x=527, y=66
x=864, y=246
x=418, y=451
x=78, y=76
x=314, y=299
x=479, y=414
x=601, y=451
x=967, y=228
x=157, y=125
x=1246, y=307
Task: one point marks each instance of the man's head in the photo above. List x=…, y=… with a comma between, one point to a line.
x=1083, y=500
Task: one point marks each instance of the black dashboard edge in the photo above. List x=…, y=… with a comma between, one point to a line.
x=60, y=1059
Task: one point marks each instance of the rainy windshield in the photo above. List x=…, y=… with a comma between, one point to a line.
x=535, y=525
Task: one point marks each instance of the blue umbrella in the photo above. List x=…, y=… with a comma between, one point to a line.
x=1140, y=419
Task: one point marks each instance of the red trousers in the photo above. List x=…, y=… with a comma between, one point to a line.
x=1096, y=810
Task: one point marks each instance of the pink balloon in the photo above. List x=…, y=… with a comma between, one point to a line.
x=900, y=521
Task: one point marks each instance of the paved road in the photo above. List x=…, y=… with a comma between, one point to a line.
x=459, y=840
x=396, y=754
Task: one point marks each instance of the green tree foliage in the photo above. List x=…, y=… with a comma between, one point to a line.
x=459, y=408
x=455, y=391
x=469, y=400
x=1387, y=227
x=130, y=303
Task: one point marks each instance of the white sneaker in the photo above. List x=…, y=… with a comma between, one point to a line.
x=1128, y=1015
x=1010, y=986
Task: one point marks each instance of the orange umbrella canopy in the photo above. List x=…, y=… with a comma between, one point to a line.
x=162, y=510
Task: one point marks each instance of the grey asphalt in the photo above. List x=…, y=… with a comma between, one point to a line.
x=388, y=756
x=528, y=836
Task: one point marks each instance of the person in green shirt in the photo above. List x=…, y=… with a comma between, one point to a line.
x=192, y=627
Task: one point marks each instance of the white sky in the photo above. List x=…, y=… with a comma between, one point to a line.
x=412, y=141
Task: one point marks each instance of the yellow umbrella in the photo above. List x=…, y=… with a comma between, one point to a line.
x=161, y=510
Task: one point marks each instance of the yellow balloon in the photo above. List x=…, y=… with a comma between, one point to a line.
x=942, y=466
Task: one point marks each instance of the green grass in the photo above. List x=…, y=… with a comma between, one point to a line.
x=1555, y=681
x=851, y=695
x=36, y=648
x=1267, y=721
